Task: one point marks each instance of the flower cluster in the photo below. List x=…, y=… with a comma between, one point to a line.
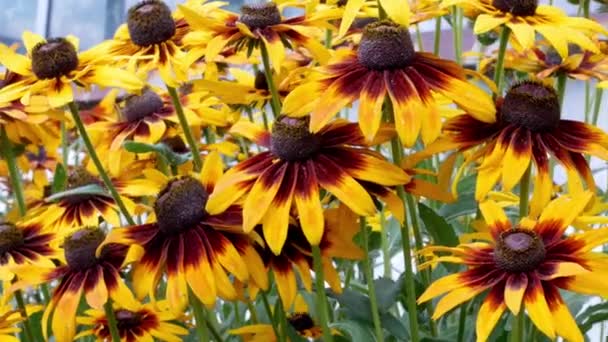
x=275, y=155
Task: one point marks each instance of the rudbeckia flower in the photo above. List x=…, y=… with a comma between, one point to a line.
x=24, y=244
x=140, y=322
x=150, y=40
x=523, y=267
x=259, y=23
x=148, y=118
x=9, y=319
x=195, y=248
x=300, y=320
x=29, y=124
x=76, y=210
x=294, y=170
x=296, y=256
x=52, y=67
x=408, y=77
x=544, y=62
x=83, y=273
x=526, y=17
x=528, y=128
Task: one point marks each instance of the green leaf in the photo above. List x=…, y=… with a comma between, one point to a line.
x=59, y=179
x=395, y=326
x=441, y=231
x=90, y=189
x=466, y=205
x=593, y=314
x=161, y=149
x=387, y=291
x=356, y=304
x=356, y=330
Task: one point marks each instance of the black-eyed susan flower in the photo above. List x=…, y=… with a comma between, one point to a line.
x=9, y=318
x=524, y=267
x=408, y=77
x=25, y=244
x=545, y=62
x=78, y=209
x=195, y=248
x=293, y=171
x=97, y=278
x=140, y=322
x=150, y=40
x=528, y=129
x=296, y=256
x=525, y=18
x=53, y=67
x=148, y=118
x=259, y=23
x=299, y=319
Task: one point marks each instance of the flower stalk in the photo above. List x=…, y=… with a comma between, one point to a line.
x=499, y=71
x=93, y=155
x=112, y=323
x=275, y=102
x=369, y=276
x=321, y=297
x=196, y=156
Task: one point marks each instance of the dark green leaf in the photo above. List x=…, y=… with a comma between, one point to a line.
x=441, y=231
x=90, y=189
x=356, y=330
x=59, y=179
x=387, y=291
x=161, y=149
x=466, y=205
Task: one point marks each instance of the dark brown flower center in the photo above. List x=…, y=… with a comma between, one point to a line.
x=531, y=105
x=301, y=321
x=79, y=248
x=180, y=205
x=138, y=107
x=127, y=320
x=176, y=144
x=260, y=15
x=260, y=82
x=519, y=250
x=385, y=45
x=291, y=139
x=80, y=177
x=150, y=22
x=517, y=7
x=54, y=58
x=11, y=237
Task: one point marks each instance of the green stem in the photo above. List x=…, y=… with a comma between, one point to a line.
x=586, y=4
x=275, y=102
x=597, y=104
x=199, y=316
x=437, y=41
x=587, y=100
x=209, y=136
x=410, y=287
x=179, y=110
x=462, y=319
x=517, y=333
x=457, y=26
x=27, y=328
x=328, y=38
x=561, y=87
x=13, y=172
x=112, y=323
x=419, y=39
x=252, y=312
x=270, y=315
x=211, y=322
x=282, y=321
x=237, y=315
x=499, y=70
x=64, y=144
x=93, y=155
x=371, y=286
x=386, y=257
x=321, y=297
x=524, y=193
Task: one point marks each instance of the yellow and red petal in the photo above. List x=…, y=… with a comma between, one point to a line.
x=370, y=104
x=262, y=194
x=565, y=325
x=489, y=313
x=495, y=217
x=276, y=219
x=308, y=203
x=515, y=288
x=537, y=307
x=516, y=159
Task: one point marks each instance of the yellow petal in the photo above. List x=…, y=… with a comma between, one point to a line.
x=398, y=11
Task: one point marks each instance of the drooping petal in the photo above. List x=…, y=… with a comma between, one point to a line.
x=489, y=313
x=262, y=194
x=537, y=307
x=514, y=291
x=308, y=203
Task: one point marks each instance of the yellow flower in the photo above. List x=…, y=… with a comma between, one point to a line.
x=525, y=17
x=52, y=67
